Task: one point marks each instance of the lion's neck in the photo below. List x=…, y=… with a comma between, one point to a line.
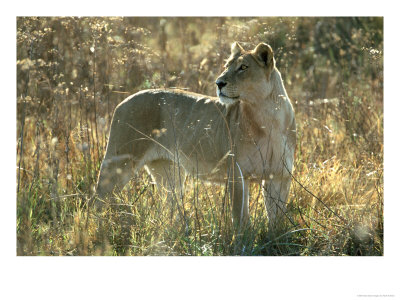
x=278, y=91
x=256, y=121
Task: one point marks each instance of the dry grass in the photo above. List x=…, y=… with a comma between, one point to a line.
x=72, y=72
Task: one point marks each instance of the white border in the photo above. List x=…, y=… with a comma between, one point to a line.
x=199, y=278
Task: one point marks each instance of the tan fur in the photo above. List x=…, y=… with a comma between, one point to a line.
x=246, y=135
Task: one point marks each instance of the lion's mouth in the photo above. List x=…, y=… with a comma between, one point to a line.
x=222, y=95
x=225, y=96
x=227, y=100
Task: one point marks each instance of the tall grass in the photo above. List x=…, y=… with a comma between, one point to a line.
x=72, y=72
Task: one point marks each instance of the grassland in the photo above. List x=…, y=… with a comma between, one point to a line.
x=72, y=72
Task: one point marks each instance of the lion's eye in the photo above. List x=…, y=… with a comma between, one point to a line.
x=243, y=67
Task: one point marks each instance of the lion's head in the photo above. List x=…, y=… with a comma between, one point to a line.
x=247, y=74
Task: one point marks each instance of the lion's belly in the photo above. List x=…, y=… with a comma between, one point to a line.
x=201, y=159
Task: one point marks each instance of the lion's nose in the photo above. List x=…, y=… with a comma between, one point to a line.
x=220, y=83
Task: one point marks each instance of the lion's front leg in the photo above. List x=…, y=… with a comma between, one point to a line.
x=239, y=193
x=170, y=179
x=276, y=192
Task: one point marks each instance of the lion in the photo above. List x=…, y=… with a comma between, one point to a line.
x=246, y=134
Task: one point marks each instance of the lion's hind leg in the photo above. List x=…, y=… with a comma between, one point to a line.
x=115, y=173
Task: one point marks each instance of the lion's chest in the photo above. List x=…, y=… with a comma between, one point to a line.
x=251, y=158
x=262, y=158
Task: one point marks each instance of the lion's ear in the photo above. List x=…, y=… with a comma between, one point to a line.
x=236, y=49
x=264, y=55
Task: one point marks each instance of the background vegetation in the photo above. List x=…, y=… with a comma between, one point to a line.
x=72, y=72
